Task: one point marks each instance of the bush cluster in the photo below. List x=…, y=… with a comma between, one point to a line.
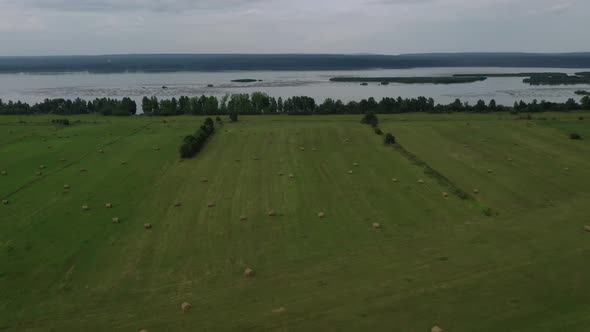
x=63, y=122
x=192, y=144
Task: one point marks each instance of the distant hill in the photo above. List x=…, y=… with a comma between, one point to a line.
x=221, y=62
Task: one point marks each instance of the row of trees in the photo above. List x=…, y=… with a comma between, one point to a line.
x=192, y=144
x=261, y=103
x=104, y=106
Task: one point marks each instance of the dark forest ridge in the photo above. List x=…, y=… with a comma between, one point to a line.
x=244, y=62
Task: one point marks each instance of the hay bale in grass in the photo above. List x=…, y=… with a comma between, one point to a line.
x=5, y=202
x=279, y=310
x=587, y=229
x=237, y=160
x=490, y=171
x=376, y=226
x=186, y=307
x=272, y=213
x=108, y=205
x=302, y=148
x=355, y=164
x=476, y=191
x=291, y=176
x=4, y=173
x=280, y=174
x=510, y=159
x=67, y=186
x=42, y=166
x=421, y=181
x=62, y=160
x=39, y=173
x=157, y=148
x=566, y=169
x=243, y=218
x=101, y=151
x=123, y=163
x=314, y=149
x=350, y=172
x=85, y=207
x=394, y=180
x=210, y=204
x=436, y=329
x=321, y=215
x=248, y=272
x=256, y=158
x=82, y=170
x=143, y=330
x=445, y=194
x=147, y=226
x=177, y=204
x=346, y=140
x=204, y=180
x=116, y=220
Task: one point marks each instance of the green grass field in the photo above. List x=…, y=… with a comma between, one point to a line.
x=435, y=260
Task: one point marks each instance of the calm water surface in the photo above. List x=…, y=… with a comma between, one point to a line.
x=36, y=87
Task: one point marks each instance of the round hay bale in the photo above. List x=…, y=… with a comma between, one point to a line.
x=490, y=171
x=394, y=180
x=82, y=170
x=66, y=186
x=42, y=166
x=566, y=169
x=321, y=215
x=204, y=180
x=143, y=330
x=116, y=220
x=108, y=205
x=421, y=181
x=279, y=310
x=237, y=160
x=355, y=164
x=39, y=173
x=186, y=307
x=350, y=172
x=376, y=226
x=248, y=272
x=147, y=226
x=62, y=160
x=210, y=204
x=476, y=191
x=5, y=202
x=347, y=140
x=256, y=158
x=101, y=151
x=445, y=194
x=314, y=149
x=243, y=218
x=280, y=174
x=177, y=204
x=510, y=159
x=302, y=148
x=587, y=229
x=85, y=207
x=123, y=163
x=291, y=176
x=4, y=173
x=157, y=148
x=272, y=213
x=436, y=329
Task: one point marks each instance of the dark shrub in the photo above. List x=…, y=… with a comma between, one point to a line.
x=378, y=131
x=233, y=116
x=370, y=119
x=581, y=118
x=63, y=122
x=389, y=139
x=575, y=136
x=218, y=119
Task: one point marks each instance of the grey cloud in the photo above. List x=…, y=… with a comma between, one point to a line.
x=125, y=5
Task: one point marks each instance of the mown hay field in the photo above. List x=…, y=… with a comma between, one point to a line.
x=253, y=248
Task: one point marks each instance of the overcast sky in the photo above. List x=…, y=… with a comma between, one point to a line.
x=55, y=27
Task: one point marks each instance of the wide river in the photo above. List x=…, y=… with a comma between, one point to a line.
x=36, y=87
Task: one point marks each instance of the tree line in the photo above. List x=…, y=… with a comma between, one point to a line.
x=261, y=103
x=192, y=144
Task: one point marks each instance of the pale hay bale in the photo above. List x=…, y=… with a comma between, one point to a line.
x=272, y=213
x=186, y=307
x=347, y=140
x=476, y=191
x=116, y=220
x=587, y=229
x=66, y=186
x=177, y=204
x=256, y=158
x=421, y=181
x=5, y=202
x=445, y=194
x=490, y=171
x=4, y=173
x=436, y=329
x=243, y=218
x=82, y=170
x=157, y=148
x=350, y=172
x=101, y=151
x=509, y=159
x=279, y=310
x=376, y=226
x=210, y=204
x=314, y=149
x=248, y=272
x=204, y=180
x=85, y=207
x=280, y=174
x=394, y=180
x=42, y=166
x=108, y=205
x=355, y=164
x=566, y=169
x=291, y=176
x=123, y=163
x=39, y=173
x=62, y=160
x=302, y=148
x=147, y=226
x=143, y=330
x=321, y=215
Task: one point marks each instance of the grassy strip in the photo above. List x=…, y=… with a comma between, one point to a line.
x=441, y=179
x=411, y=80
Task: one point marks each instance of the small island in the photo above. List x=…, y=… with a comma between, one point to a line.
x=411, y=80
x=582, y=93
x=245, y=80
x=547, y=78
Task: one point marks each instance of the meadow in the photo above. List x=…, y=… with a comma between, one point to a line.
x=296, y=199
